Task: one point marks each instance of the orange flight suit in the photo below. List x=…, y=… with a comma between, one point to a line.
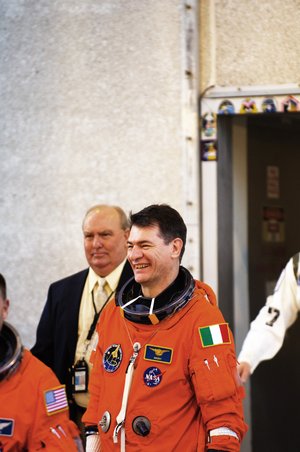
x=182, y=386
x=34, y=413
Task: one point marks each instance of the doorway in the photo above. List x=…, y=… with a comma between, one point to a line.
x=258, y=231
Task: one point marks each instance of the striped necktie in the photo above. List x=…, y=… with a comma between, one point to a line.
x=100, y=296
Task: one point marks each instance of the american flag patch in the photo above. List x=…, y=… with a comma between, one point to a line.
x=56, y=400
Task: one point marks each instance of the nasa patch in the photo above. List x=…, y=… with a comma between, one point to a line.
x=152, y=376
x=112, y=358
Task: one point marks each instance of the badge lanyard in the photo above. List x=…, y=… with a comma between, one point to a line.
x=95, y=320
x=79, y=370
x=96, y=317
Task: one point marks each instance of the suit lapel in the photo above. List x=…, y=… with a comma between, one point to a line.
x=73, y=296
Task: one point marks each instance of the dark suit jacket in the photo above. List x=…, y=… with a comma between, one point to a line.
x=56, y=336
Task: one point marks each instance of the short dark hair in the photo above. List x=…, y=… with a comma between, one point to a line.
x=168, y=220
x=2, y=286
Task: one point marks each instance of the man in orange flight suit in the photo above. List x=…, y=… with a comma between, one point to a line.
x=165, y=374
x=34, y=411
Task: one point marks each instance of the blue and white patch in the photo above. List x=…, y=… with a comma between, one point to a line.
x=112, y=358
x=6, y=427
x=158, y=353
x=152, y=376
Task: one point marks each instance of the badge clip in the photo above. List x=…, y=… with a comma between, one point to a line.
x=80, y=374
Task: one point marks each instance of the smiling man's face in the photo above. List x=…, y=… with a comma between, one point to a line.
x=155, y=263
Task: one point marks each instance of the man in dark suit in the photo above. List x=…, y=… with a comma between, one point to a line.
x=66, y=331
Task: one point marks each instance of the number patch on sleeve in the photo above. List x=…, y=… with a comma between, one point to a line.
x=275, y=314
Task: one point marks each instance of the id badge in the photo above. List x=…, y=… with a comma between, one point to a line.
x=80, y=373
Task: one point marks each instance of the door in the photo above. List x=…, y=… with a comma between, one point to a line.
x=274, y=226
x=259, y=224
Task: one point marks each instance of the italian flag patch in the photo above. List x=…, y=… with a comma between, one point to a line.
x=214, y=335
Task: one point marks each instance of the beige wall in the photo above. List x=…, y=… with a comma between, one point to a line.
x=91, y=95
x=92, y=111
x=249, y=42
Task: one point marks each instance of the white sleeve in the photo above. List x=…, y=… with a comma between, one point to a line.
x=93, y=443
x=267, y=331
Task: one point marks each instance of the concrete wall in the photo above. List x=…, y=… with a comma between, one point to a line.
x=90, y=112
x=249, y=42
x=91, y=97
